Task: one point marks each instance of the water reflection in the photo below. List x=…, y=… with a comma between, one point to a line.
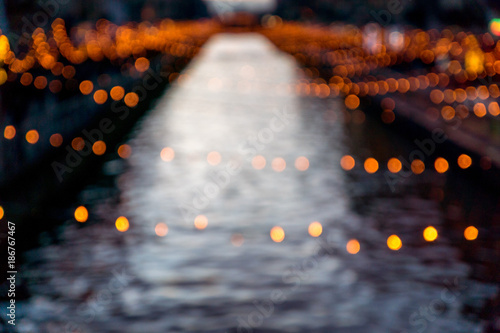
x=242, y=208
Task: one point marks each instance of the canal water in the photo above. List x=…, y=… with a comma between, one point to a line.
x=228, y=153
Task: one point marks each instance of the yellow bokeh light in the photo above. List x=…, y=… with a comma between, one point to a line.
x=1, y=212
x=161, y=229
x=430, y=234
x=81, y=214
x=394, y=242
x=464, y=161
x=167, y=154
x=315, y=229
x=122, y=224
x=371, y=165
x=353, y=246
x=471, y=233
x=200, y=222
x=441, y=165
x=277, y=234
x=347, y=162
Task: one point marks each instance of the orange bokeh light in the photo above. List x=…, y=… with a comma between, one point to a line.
x=122, y=224
x=353, y=246
x=81, y=214
x=315, y=229
x=124, y=151
x=167, y=154
x=200, y=222
x=302, y=163
x=32, y=136
x=347, y=162
x=277, y=234
x=371, y=165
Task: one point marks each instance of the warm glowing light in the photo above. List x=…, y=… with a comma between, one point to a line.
x=237, y=240
x=494, y=109
x=32, y=136
x=200, y=222
x=1, y=212
x=471, y=233
x=278, y=164
x=371, y=165
x=441, y=165
x=479, y=110
x=315, y=229
x=131, y=99
x=124, y=151
x=464, y=161
x=122, y=224
x=213, y=158
x=167, y=154
x=86, y=87
x=436, y=96
x=394, y=242
x=352, y=102
x=99, y=147
x=417, y=166
x=353, y=246
x=56, y=140
x=277, y=234
x=447, y=112
x=142, y=64
x=78, y=143
x=495, y=26
x=81, y=214
x=347, y=162
x=259, y=162
x=388, y=116
x=26, y=79
x=100, y=96
x=430, y=234
x=40, y=82
x=302, y=163
x=10, y=132
x=394, y=165
x=117, y=93
x=161, y=229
